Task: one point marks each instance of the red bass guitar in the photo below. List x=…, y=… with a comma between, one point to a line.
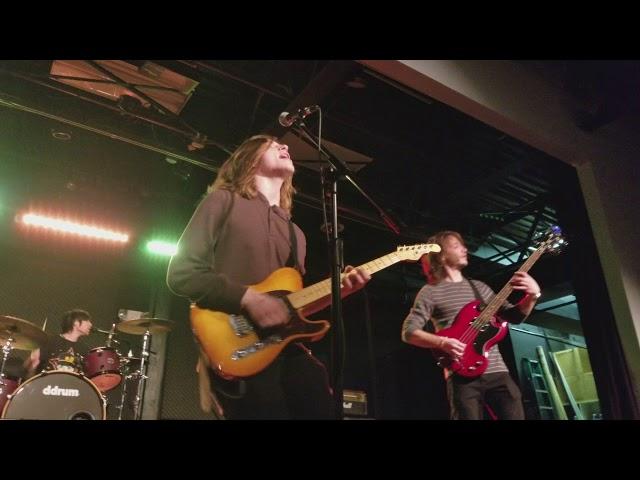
x=479, y=327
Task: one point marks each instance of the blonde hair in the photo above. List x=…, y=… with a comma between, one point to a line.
x=435, y=259
x=238, y=172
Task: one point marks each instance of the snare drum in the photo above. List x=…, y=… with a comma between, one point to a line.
x=56, y=395
x=102, y=366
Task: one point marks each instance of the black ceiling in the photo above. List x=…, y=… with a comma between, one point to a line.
x=432, y=167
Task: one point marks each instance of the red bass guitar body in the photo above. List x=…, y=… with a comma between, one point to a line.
x=479, y=337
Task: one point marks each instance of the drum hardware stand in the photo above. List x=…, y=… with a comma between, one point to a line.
x=6, y=350
x=111, y=333
x=124, y=393
x=142, y=374
x=128, y=376
x=145, y=326
x=139, y=374
x=125, y=379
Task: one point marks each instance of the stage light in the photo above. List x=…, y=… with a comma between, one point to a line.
x=159, y=247
x=75, y=228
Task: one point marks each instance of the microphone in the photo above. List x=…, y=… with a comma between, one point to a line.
x=287, y=119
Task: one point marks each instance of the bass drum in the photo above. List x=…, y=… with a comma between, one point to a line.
x=8, y=385
x=56, y=395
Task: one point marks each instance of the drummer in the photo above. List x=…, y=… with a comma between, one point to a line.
x=62, y=351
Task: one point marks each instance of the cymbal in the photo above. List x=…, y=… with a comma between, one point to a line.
x=25, y=334
x=141, y=325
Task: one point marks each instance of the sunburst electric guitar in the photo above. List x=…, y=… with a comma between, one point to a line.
x=479, y=327
x=237, y=348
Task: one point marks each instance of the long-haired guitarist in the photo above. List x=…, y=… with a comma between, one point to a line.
x=240, y=233
x=436, y=306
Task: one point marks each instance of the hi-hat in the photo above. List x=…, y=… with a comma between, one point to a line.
x=141, y=325
x=26, y=336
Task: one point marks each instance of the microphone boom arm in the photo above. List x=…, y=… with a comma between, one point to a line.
x=343, y=170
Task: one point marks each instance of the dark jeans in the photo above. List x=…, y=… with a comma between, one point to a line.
x=294, y=386
x=467, y=397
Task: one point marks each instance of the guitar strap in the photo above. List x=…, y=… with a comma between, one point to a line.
x=292, y=261
x=476, y=293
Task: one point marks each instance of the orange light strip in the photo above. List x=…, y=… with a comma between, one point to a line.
x=67, y=226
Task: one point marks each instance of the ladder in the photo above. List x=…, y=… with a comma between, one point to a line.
x=533, y=374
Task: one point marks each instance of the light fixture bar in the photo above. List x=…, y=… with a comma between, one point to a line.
x=67, y=226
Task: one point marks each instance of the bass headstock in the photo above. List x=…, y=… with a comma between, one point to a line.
x=552, y=241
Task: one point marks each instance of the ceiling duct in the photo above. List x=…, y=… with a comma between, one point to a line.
x=168, y=88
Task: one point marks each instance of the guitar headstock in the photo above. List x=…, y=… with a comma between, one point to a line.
x=414, y=252
x=552, y=240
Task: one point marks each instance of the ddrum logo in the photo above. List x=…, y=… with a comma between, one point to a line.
x=60, y=392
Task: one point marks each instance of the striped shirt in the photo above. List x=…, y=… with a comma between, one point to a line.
x=440, y=303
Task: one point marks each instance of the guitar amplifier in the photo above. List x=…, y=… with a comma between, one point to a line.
x=354, y=402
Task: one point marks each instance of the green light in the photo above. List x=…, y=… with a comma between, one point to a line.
x=159, y=247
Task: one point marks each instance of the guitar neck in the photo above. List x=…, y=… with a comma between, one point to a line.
x=322, y=289
x=500, y=298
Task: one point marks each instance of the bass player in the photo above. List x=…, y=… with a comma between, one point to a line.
x=437, y=304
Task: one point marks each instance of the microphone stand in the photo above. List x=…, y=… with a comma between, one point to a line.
x=330, y=176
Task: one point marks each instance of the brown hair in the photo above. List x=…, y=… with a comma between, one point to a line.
x=435, y=259
x=237, y=173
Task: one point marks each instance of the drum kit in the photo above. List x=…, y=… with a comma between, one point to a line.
x=74, y=387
